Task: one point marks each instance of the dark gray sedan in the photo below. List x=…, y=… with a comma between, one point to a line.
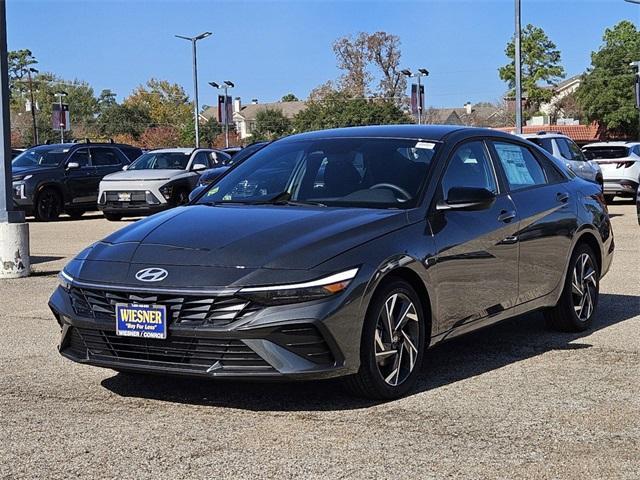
x=345, y=253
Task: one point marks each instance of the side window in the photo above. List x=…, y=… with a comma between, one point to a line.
x=520, y=166
x=201, y=158
x=636, y=150
x=575, y=151
x=545, y=143
x=81, y=157
x=469, y=167
x=131, y=153
x=565, y=151
x=104, y=157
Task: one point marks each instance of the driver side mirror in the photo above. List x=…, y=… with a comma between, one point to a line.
x=73, y=165
x=126, y=167
x=467, y=198
x=199, y=167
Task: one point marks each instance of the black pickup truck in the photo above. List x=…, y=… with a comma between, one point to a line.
x=49, y=180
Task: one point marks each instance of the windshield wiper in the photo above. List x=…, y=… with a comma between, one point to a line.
x=284, y=198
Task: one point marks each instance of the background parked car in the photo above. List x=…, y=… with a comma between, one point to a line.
x=158, y=180
x=211, y=175
x=620, y=164
x=565, y=149
x=232, y=150
x=51, y=179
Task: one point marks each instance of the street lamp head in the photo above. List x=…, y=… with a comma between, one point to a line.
x=229, y=83
x=424, y=72
x=203, y=35
x=62, y=93
x=34, y=70
x=196, y=38
x=214, y=84
x=406, y=72
x=633, y=1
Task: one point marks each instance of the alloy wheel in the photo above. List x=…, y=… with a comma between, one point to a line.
x=397, y=339
x=48, y=205
x=584, y=287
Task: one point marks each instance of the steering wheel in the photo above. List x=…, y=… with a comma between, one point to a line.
x=396, y=188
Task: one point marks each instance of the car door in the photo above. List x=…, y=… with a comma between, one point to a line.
x=79, y=179
x=547, y=213
x=476, y=269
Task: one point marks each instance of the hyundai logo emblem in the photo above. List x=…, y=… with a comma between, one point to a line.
x=153, y=274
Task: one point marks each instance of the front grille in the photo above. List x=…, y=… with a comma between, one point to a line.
x=304, y=340
x=187, y=352
x=181, y=309
x=137, y=199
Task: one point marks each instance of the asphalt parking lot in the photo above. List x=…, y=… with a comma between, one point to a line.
x=512, y=401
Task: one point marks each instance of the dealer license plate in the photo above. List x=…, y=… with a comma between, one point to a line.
x=124, y=196
x=136, y=320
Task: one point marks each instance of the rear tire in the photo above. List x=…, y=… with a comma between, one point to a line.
x=392, y=345
x=579, y=299
x=609, y=198
x=48, y=205
x=112, y=217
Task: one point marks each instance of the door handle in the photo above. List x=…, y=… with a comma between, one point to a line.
x=506, y=216
x=562, y=197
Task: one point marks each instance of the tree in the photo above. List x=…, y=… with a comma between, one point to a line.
x=289, y=97
x=20, y=62
x=540, y=64
x=106, y=99
x=606, y=93
x=159, y=137
x=567, y=107
x=117, y=119
x=209, y=130
x=352, y=56
x=167, y=103
x=271, y=124
x=383, y=50
x=337, y=109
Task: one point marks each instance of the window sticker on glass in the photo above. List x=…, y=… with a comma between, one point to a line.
x=213, y=191
x=425, y=145
x=515, y=167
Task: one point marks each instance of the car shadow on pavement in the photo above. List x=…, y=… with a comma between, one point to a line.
x=474, y=354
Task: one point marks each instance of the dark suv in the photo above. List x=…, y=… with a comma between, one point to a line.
x=51, y=179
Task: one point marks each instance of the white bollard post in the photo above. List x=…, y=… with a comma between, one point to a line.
x=14, y=250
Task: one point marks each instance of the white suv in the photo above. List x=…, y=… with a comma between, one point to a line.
x=157, y=180
x=565, y=149
x=620, y=163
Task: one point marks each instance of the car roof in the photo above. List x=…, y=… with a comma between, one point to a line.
x=426, y=132
x=612, y=144
x=186, y=151
x=542, y=135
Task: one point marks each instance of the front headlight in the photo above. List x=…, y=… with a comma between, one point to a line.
x=18, y=189
x=64, y=279
x=167, y=191
x=300, y=292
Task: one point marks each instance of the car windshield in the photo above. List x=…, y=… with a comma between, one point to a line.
x=44, y=156
x=161, y=160
x=347, y=172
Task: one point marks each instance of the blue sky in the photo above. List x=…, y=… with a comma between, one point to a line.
x=269, y=48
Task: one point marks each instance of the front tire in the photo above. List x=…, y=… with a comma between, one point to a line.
x=392, y=345
x=579, y=299
x=48, y=205
x=609, y=198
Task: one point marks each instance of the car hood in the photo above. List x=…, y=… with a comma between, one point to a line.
x=213, y=173
x=24, y=171
x=246, y=237
x=150, y=174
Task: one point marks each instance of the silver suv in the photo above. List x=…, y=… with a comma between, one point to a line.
x=565, y=149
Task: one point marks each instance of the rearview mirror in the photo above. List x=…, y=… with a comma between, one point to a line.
x=73, y=165
x=199, y=166
x=467, y=198
x=195, y=192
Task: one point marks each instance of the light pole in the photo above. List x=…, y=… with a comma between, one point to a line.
x=518, y=68
x=193, y=41
x=61, y=94
x=636, y=86
x=14, y=231
x=225, y=85
x=33, y=106
x=422, y=72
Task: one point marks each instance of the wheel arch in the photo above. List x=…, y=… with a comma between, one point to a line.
x=589, y=238
x=410, y=276
x=52, y=186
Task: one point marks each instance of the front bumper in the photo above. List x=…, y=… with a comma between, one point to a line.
x=302, y=341
x=140, y=203
x=622, y=187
